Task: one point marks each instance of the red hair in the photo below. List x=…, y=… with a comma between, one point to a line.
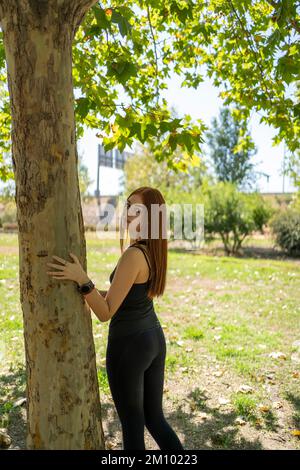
x=157, y=247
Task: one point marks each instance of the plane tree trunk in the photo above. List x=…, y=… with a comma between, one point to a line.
x=63, y=403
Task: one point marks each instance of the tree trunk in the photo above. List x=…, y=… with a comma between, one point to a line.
x=63, y=404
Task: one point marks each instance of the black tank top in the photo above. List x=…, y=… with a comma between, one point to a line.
x=136, y=312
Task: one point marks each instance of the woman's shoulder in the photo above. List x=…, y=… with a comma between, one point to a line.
x=130, y=254
x=139, y=249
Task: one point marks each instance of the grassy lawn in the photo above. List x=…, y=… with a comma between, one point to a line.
x=233, y=364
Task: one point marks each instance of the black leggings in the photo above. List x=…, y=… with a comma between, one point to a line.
x=135, y=367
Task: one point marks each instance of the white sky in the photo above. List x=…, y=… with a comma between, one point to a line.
x=202, y=103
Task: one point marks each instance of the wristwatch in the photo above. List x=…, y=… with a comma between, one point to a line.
x=86, y=288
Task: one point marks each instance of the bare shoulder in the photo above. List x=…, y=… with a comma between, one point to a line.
x=136, y=255
x=138, y=248
x=131, y=254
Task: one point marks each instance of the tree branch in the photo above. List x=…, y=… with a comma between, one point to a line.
x=295, y=25
x=1, y=10
x=77, y=10
x=155, y=52
x=292, y=21
x=256, y=57
x=83, y=4
x=273, y=3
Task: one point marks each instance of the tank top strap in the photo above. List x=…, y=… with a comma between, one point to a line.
x=146, y=256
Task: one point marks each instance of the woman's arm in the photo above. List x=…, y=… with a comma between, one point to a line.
x=102, y=292
x=126, y=273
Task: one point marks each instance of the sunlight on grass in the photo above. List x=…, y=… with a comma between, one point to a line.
x=218, y=313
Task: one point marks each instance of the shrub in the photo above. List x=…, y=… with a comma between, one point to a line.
x=234, y=215
x=10, y=226
x=10, y=213
x=90, y=227
x=286, y=229
x=295, y=203
x=182, y=198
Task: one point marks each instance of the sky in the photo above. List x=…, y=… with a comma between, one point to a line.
x=202, y=103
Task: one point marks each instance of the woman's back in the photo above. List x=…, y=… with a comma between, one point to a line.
x=136, y=312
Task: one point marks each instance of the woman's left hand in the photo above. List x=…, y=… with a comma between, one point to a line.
x=69, y=271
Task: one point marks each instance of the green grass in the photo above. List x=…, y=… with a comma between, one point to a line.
x=103, y=380
x=245, y=406
x=234, y=311
x=193, y=332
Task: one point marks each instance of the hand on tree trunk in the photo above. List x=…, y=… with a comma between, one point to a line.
x=69, y=271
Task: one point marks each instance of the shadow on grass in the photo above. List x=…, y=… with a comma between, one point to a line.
x=295, y=401
x=246, y=252
x=219, y=431
x=12, y=386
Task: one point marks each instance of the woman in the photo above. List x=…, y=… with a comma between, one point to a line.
x=136, y=348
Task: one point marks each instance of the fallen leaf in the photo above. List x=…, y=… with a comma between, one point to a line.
x=277, y=405
x=5, y=439
x=217, y=337
x=277, y=355
x=295, y=357
x=296, y=344
x=218, y=373
x=223, y=401
x=245, y=389
x=258, y=422
x=263, y=408
x=240, y=421
x=19, y=402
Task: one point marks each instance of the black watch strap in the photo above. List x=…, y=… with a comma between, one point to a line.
x=86, y=288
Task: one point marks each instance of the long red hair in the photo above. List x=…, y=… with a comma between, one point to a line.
x=157, y=247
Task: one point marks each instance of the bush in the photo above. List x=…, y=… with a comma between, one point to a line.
x=262, y=211
x=295, y=203
x=10, y=226
x=234, y=215
x=9, y=214
x=189, y=226
x=286, y=229
x=192, y=198
x=90, y=227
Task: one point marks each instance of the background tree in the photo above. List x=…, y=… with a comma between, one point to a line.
x=234, y=215
x=230, y=156
x=142, y=169
x=8, y=190
x=181, y=186
x=84, y=179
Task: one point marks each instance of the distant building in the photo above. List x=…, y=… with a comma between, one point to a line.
x=111, y=159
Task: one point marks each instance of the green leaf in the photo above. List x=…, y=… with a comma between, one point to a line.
x=82, y=108
x=101, y=17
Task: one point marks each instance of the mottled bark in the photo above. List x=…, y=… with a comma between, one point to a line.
x=63, y=405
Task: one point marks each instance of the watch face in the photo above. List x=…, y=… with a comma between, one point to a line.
x=86, y=288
